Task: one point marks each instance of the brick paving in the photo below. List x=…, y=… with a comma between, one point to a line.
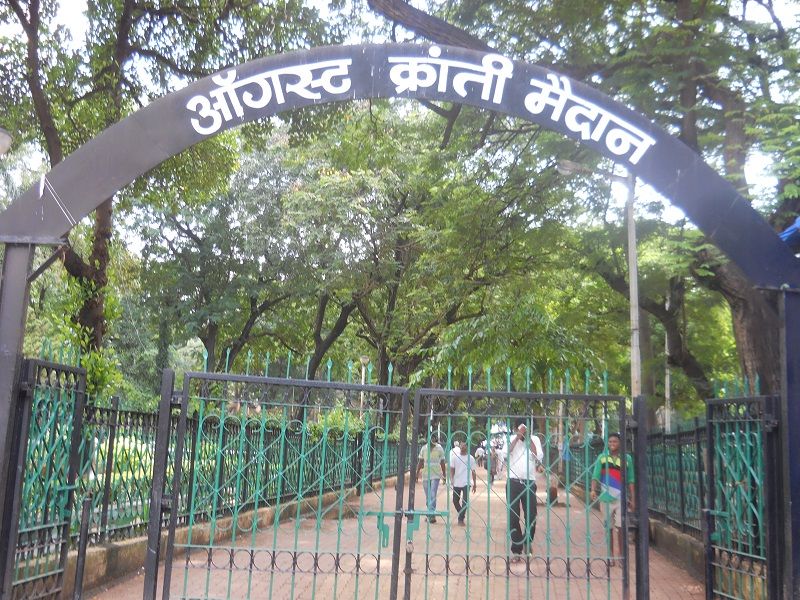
x=462, y=562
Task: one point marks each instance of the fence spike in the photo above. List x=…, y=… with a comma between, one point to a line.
x=469, y=378
x=550, y=380
x=205, y=360
x=350, y=371
x=308, y=366
x=508, y=379
x=605, y=383
x=568, y=384
x=488, y=379
x=330, y=366
x=528, y=379
x=266, y=365
x=247, y=362
x=758, y=385
x=369, y=373
x=227, y=360
x=449, y=377
x=390, y=368
x=289, y=365
x=586, y=377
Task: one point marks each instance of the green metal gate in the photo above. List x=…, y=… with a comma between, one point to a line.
x=569, y=554
x=744, y=469
x=297, y=489
x=48, y=431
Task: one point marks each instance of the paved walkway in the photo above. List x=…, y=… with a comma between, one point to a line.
x=447, y=561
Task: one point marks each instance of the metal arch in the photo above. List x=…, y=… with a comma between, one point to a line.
x=145, y=139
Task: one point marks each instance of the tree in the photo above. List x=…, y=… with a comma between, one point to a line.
x=134, y=51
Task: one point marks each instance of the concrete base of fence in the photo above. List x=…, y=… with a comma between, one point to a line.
x=682, y=549
x=107, y=562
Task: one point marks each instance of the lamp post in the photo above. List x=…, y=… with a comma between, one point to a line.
x=567, y=167
x=5, y=141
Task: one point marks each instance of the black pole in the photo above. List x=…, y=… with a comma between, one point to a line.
x=83, y=544
x=708, y=529
x=790, y=438
x=772, y=471
x=112, y=433
x=14, y=290
x=643, y=529
x=681, y=478
x=159, y=479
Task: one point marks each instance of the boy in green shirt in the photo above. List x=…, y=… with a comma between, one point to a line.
x=607, y=481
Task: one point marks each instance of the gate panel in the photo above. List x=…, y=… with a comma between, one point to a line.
x=570, y=553
x=291, y=489
x=49, y=452
x=743, y=466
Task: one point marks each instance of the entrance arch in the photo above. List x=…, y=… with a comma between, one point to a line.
x=265, y=87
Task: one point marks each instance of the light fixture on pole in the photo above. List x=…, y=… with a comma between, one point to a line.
x=568, y=167
x=5, y=141
x=364, y=362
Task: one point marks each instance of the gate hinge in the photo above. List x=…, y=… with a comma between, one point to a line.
x=166, y=504
x=770, y=425
x=176, y=401
x=630, y=423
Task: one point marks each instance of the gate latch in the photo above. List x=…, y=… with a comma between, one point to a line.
x=383, y=527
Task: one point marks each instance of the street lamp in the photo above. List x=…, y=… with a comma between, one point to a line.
x=5, y=141
x=567, y=167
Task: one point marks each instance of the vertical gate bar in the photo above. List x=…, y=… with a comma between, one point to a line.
x=681, y=479
x=415, y=430
x=709, y=517
x=20, y=431
x=194, y=433
x=157, y=493
x=643, y=530
x=112, y=433
x=789, y=308
x=83, y=545
x=176, y=483
x=73, y=467
x=772, y=473
x=701, y=493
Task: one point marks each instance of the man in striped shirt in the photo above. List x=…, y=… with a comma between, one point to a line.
x=609, y=477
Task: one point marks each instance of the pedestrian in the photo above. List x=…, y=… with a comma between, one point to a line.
x=431, y=463
x=524, y=459
x=608, y=477
x=461, y=465
x=480, y=456
x=494, y=461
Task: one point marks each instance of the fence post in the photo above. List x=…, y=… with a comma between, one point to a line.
x=83, y=543
x=708, y=528
x=773, y=469
x=109, y=469
x=159, y=479
x=681, y=479
x=643, y=529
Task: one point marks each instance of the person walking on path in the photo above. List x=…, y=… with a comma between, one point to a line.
x=608, y=477
x=461, y=465
x=480, y=456
x=524, y=457
x=431, y=463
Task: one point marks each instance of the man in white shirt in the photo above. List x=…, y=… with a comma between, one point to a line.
x=461, y=465
x=524, y=459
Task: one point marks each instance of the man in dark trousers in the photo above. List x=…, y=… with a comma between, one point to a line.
x=461, y=465
x=524, y=457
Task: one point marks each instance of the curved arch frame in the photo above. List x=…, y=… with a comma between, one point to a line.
x=265, y=87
